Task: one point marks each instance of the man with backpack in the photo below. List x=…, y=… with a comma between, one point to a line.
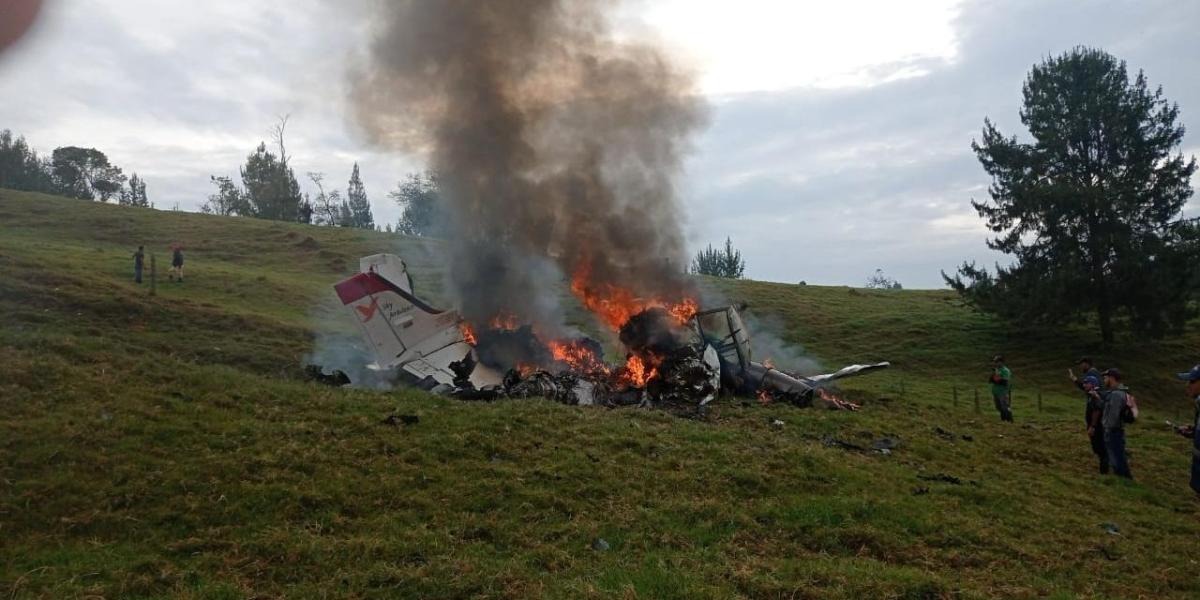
x=1119, y=408
x=1193, y=431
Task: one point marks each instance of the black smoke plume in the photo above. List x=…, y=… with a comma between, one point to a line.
x=555, y=140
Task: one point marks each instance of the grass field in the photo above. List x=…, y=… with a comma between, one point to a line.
x=166, y=447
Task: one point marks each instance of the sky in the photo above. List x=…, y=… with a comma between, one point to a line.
x=838, y=139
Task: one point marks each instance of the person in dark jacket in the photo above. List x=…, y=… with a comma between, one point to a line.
x=139, y=260
x=1001, y=380
x=1087, y=368
x=1089, y=384
x=1095, y=410
x=176, y=263
x=1192, y=431
x=1118, y=409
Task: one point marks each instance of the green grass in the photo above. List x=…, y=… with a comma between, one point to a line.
x=166, y=447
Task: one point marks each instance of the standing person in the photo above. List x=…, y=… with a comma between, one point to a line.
x=1001, y=381
x=1193, y=431
x=1095, y=411
x=176, y=263
x=1119, y=408
x=1092, y=407
x=139, y=259
x=1089, y=370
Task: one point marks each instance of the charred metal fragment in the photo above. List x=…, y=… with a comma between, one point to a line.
x=462, y=370
x=335, y=379
x=688, y=376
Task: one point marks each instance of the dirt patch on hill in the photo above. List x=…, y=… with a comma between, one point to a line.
x=308, y=243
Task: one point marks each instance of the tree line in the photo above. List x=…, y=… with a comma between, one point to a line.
x=72, y=171
x=269, y=190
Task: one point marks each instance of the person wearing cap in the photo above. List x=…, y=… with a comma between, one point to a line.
x=1001, y=381
x=1192, y=431
x=1090, y=384
x=1089, y=370
x=1118, y=409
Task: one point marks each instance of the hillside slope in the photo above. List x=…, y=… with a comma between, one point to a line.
x=165, y=446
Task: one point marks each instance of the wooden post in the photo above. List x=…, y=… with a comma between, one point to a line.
x=976, y=399
x=153, y=276
x=956, y=396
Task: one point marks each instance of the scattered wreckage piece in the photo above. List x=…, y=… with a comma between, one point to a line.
x=674, y=362
x=335, y=379
x=406, y=335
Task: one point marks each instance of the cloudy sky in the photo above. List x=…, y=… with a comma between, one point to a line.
x=839, y=134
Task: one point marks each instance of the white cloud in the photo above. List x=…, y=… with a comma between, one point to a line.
x=764, y=45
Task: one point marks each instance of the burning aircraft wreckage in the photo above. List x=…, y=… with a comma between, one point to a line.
x=679, y=356
x=556, y=142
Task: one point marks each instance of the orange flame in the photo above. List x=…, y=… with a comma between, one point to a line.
x=577, y=356
x=615, y=306
x=504, y=322
x=468, y=332
x=637, y=373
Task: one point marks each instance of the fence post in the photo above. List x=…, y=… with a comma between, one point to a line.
x=976, y=399
x=153, y=275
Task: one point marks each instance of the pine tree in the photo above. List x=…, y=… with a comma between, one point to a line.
x=135, y=194
x=359, y=205
x=726, y=263
x=1090, y=209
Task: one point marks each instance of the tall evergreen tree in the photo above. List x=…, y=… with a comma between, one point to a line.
x=135, y=194
x=358, y=204
x=726, y=263
x=1090, y=209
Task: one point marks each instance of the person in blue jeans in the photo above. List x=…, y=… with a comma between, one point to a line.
x=1192, y=431
x=1118, y=410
